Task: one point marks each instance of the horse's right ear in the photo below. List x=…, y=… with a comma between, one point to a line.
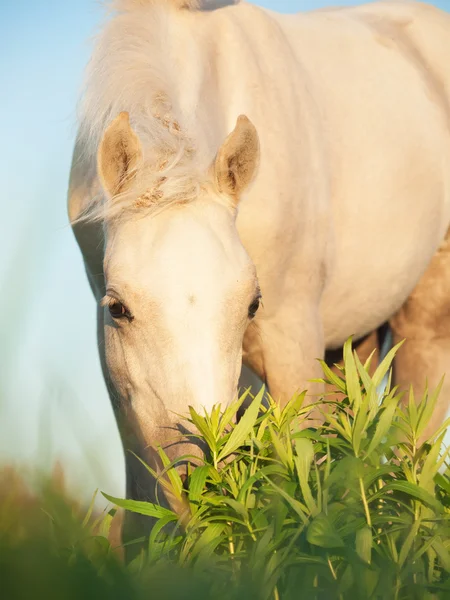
x=119, y=154
x=237, y=160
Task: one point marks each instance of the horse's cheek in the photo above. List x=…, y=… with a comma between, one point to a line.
x=119, y=362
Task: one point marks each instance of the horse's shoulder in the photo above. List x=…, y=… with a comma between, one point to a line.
x=403, y=16
x=420, y=33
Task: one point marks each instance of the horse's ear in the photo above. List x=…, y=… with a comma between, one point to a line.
x=237, y=159
x=118, y=155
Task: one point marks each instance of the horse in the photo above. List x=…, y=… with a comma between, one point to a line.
x=249, y=189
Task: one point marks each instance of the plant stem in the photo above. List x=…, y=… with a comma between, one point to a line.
x=364, y=499
x=231, y=542
x=231, y=545
x=333, y=572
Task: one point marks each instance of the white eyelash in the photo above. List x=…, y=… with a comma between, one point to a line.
x=108, y=301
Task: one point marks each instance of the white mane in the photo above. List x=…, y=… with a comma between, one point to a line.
x=132, y=70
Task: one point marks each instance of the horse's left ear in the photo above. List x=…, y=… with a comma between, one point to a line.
x=237, y=160
x=119, y=154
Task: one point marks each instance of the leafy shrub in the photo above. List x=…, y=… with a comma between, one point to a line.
x=358, y=507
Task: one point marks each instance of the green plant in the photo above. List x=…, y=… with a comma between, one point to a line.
x=358, y=507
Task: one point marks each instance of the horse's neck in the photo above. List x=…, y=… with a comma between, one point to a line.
x=230, y=64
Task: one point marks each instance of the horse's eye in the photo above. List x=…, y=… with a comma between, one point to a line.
x=253, y=308
x=118, y=311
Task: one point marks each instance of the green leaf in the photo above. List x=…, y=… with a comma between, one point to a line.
x=161, y=480
x=332, y=377
x=431, y=466
x=172, y=474
x=202, y=426
x=412, y=409
x=426, y=408
x=197, y=524
x=210, y=535
x=297, y=506
x=385, y=365
x=346, y=473
x=364, y=542
x=321, y=532
x=442, y=429
x=104, y=526
x=207, y=554
x=407, y=544
x=88, y=515
x=377, y=472
x=443, y=554
x=351, y=377
x=363, y=374
x=443, y=482
x=292, y=410
x=143, y=508
x=383, y=426
x=360, y=424
x=239, y=508
x=263, y=546
x=156, y=548
x=412, y=490
x=304, y=456
x=260, y=474
x=344, y=418
x=197, y=482
x=344, y=431
x=283, y=450
x=243, y=429
x=230, y=412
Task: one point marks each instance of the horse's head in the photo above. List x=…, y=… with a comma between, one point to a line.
x=180, y=287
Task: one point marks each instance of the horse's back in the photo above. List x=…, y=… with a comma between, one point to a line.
x=380, y=74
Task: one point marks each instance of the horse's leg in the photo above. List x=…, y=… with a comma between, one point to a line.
x=424, y=320
x=249, y=380
x=283, y=351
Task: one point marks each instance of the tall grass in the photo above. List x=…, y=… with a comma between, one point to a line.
x=357, y=508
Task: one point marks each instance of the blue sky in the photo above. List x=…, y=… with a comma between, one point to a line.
x=52, y=397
